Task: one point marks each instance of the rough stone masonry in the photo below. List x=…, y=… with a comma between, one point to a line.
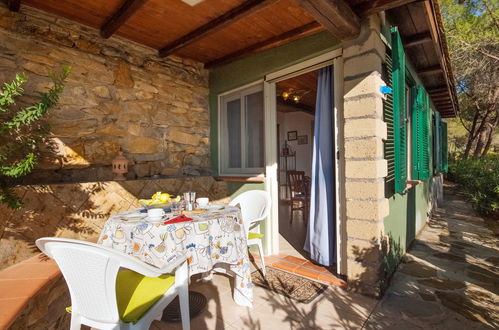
x=118, y=94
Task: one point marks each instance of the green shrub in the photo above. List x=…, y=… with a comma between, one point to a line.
x=22, y=130
x=479, y=179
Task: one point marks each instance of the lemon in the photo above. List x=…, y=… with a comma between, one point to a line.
x=164, y=198
x=157, y=195
x=177, y=199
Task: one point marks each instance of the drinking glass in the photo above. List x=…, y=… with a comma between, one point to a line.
x=176, y=208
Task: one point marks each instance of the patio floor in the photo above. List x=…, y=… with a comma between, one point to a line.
x=448, y=280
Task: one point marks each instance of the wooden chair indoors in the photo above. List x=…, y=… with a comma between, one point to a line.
x=299, y=193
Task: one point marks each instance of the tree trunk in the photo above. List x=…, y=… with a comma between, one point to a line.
x=482, y=139
x=490, y=138
x=471, y=136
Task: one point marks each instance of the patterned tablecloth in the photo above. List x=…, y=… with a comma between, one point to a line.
x=215, y=239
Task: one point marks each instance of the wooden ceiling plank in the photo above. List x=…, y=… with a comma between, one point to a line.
x=430, y=69
x=265, y=44
x=127, y=9
x=246, y=8
x=442, y=89
x=13, y=5
x=372, y=7
x=335, y=15
x=417, y=39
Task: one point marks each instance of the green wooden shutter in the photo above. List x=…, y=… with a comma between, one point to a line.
x=444, y=154
x=389, y=150
x=399, y=111
x=437, y=150
x=421, y=136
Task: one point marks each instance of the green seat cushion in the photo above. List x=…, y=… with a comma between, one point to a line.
x=254, y=235
x=136, y=293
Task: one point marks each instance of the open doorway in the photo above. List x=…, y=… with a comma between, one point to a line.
x=295, y=107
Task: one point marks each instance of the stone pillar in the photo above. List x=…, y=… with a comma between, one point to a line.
x=365, y=166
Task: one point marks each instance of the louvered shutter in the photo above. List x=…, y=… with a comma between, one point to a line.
x=421, y=136
x=444, y=151
x=389, y=151
x=437, y=148
x=399, y=112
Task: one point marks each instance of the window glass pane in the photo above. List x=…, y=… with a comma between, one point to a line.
x=234, y=133
x=254, y=129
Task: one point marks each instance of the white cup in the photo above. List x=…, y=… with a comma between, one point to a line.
x=203, y=201
x=155, y=213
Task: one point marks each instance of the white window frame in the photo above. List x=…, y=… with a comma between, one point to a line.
x=223, y=140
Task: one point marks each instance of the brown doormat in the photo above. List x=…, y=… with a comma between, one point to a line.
x=295, y=287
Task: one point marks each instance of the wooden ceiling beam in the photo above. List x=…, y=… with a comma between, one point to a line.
x=375, y=6
x=265, y=44
x=439, y=90
x=417, y=39
x=335, y=15
x=13, y=5
x=127, y=9
x=245, y=9
x=430, y=69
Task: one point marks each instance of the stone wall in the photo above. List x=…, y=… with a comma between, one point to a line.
x=365, y=166
x=79, y=210
x=118, y=94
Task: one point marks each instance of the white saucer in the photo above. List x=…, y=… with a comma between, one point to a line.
x=213, y=206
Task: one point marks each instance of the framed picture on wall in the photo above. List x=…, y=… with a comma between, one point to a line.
x=303, y=139
x=292, y=135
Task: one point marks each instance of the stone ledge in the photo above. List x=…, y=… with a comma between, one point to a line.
x=21, y=282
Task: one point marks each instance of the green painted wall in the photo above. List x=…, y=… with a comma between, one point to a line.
x=408, y=214
x=237, y=188
x=255, y=67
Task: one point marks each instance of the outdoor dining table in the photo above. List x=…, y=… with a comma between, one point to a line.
x=213, y=239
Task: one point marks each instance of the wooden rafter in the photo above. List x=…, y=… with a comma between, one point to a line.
x=430, y=69
x=268, y=43
x=13, y=5
x=438, y=90
x=375, y=6
x=127, y=9
x=417, y=39
x=246, y=8
x=335, y=15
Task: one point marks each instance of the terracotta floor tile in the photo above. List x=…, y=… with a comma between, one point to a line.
x=281, y=255
x=316, y=267
x=285, y=265
x=307, y=272
x=270, y=260
x=10, y=309
x=20, y=288
x=331, y=279
x=298, y=261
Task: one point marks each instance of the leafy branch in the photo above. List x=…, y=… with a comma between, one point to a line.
x=22, y=130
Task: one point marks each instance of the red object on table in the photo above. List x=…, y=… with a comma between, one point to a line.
x=180, y=218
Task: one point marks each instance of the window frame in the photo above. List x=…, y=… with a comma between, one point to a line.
x=223, y=141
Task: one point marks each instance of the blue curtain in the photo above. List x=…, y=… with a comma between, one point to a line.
x=321, y=231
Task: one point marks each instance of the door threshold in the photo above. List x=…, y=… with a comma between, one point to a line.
x=301, y=267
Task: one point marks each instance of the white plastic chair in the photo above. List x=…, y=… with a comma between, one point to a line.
x=255, y=207
x=91, y=271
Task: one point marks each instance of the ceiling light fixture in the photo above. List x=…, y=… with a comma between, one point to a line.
x=293, y=95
